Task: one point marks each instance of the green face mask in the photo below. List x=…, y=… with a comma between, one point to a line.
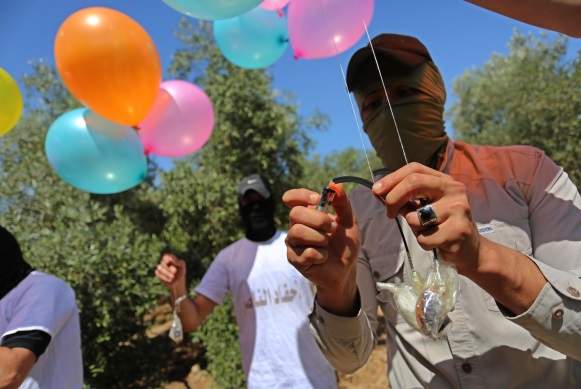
x=421, y=129
x=419, y=120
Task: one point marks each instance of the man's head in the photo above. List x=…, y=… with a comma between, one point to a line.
x=415, y=90
x=397, y=56
x=13, y=268
x=257, y=206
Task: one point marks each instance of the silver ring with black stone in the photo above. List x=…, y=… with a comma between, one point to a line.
x=427, y=216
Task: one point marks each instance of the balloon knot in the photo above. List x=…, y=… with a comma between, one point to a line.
x=146, y=152
x=280, y=13
x=136, y=128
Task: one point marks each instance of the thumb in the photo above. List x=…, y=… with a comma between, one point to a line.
x=342, y=206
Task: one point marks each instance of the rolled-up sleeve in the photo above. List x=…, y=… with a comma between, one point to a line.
x=554, y=318
x=346, y=342
x=555, y=222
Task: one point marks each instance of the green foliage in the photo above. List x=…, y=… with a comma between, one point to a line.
x=530, y=96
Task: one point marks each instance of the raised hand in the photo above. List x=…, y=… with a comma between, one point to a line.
x=324, y=247
x=172, y=271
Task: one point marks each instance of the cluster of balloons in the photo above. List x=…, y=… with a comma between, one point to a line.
x=256, y=33
x=111, y=65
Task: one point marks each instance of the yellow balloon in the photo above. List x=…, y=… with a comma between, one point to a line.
x=10, y=102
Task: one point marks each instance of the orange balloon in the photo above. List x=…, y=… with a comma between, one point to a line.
x=108, y=62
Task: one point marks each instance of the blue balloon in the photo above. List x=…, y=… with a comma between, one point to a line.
x=254, y=40
x=213, y=9
x=94, y=154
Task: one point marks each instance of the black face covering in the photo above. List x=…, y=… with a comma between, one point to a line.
x=13, y=268
x=258, y=219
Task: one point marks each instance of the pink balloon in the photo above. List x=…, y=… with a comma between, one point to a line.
x=180, y=122
x=273, y=5
x=324, y=28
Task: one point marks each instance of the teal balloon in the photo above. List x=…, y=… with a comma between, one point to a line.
x=253, y=40
x=213, y=9
x=94, y=154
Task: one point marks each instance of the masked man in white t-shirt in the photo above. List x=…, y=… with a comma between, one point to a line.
x=271, y=298
x=40, y=338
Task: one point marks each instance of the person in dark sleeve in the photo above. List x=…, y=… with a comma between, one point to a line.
x=40, y=339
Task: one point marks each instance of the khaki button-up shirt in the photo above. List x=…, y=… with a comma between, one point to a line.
x=520, y=199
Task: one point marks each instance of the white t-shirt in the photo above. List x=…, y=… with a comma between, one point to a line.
x=272, y=301
x=46, y=303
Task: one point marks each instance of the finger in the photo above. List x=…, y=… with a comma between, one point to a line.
x=300, y=197
x=169, y=260
x=304, y=257
x=387, y=183
x=342, y=207
x=163, y=276
x=416, y=185
x=165, y=272
x=448, y=237
x=312, y=218
x=300, y=235
x=425, y=217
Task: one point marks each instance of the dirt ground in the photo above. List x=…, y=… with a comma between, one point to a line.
x=373, y=375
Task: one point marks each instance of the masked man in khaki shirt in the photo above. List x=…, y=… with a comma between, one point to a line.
x=508, y=218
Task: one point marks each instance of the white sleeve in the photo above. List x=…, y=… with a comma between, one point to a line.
x=215, y=283
x=346, y=342
x=45, y=304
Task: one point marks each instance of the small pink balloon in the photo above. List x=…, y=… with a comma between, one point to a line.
x=324, y=28
x=180, y=122
x=274, y=5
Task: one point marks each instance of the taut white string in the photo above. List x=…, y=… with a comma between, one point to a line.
x=347, y=89
x=383, y=84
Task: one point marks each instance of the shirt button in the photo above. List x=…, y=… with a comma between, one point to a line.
x=321, y=320
x=376, y=274
x=573, y=292
x=467, y=367
x=557, y=313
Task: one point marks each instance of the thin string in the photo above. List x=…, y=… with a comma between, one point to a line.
x=355, y=113
x=383, y=84
x=347, y=89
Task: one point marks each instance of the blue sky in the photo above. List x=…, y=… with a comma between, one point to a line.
x=457, y=34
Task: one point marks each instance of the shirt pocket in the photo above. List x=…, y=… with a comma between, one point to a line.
x=386, y=262
x=515, y=235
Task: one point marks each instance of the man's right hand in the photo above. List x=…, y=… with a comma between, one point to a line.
x=325, y=248
x=172, y=272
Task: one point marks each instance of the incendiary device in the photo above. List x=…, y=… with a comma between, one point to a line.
x=424, y=303
x=326, y=200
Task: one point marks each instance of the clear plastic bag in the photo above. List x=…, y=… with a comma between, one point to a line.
x=176, y=332
x=437, y=299
x=425, y=304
